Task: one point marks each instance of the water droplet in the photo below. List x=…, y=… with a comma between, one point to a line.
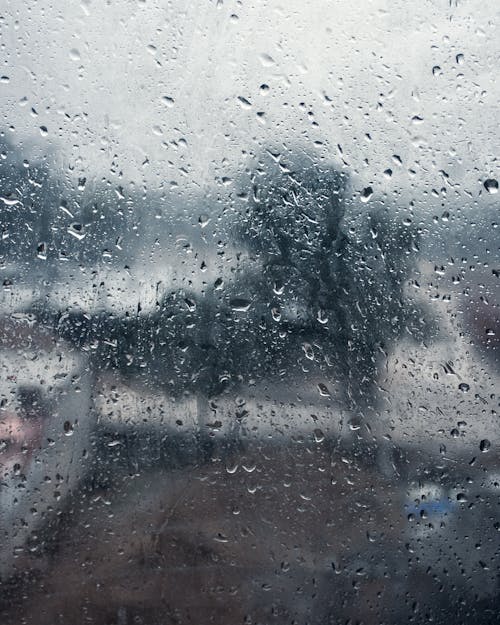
x=266, y=60
x=308, y=351
x=491, y=185
x=239, y=304
x=276, y=313
x=168, y=101
x=323, y=390
x=74, y=54
x=319, y=436
x=10, y=201
x=484, y=445
x=41, y=251
x=43, y=131
x=245, y=104
x=464, y=387
x=203, y=220
x=366, y=194
x=436, y=70
x=77, y=230
x=460, y=59
x=232, y=468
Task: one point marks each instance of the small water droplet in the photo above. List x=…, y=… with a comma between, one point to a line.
x=319, y=436
x=74, y=54
x=308, y=351
x=232, y=468
x=41, y=251
x=460, y=59
x=168, y=101
x=484, y=445
x=77, y=230
x=266, y=60
x=436, y=70
x=323, y=390
x=491, y=185
x=239, y=304
x=464, y=387
x=203, y=220
x=43, y=131
x=366, y=194
x=245, y=104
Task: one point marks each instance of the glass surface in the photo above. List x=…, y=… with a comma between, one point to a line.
x=249, y=312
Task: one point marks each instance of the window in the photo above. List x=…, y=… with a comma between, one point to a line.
x=249, y=313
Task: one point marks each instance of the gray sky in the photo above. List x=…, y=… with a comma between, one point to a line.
x=97, y=73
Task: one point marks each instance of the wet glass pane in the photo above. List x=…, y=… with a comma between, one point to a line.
x=249, y=312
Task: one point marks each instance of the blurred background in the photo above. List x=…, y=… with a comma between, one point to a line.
x=249, y=312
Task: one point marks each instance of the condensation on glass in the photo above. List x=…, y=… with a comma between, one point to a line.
x=249, y=312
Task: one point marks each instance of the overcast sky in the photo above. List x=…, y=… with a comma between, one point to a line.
x=98, y=73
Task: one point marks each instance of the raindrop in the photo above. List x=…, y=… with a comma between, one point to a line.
x=266, y=60
x=308, y=351
x=245, y=104
x=41, y=251
x=43, y=131
x=74, y=54
x=319, y=436
x=239, y=304
x=366, y=194
x=203, y=220
x=168, y=101
x=464, y=387
x=484, y=445
x=491, y=185
x=77, y=230
x=323, y=390
x=460, y=59
x=231, y=468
